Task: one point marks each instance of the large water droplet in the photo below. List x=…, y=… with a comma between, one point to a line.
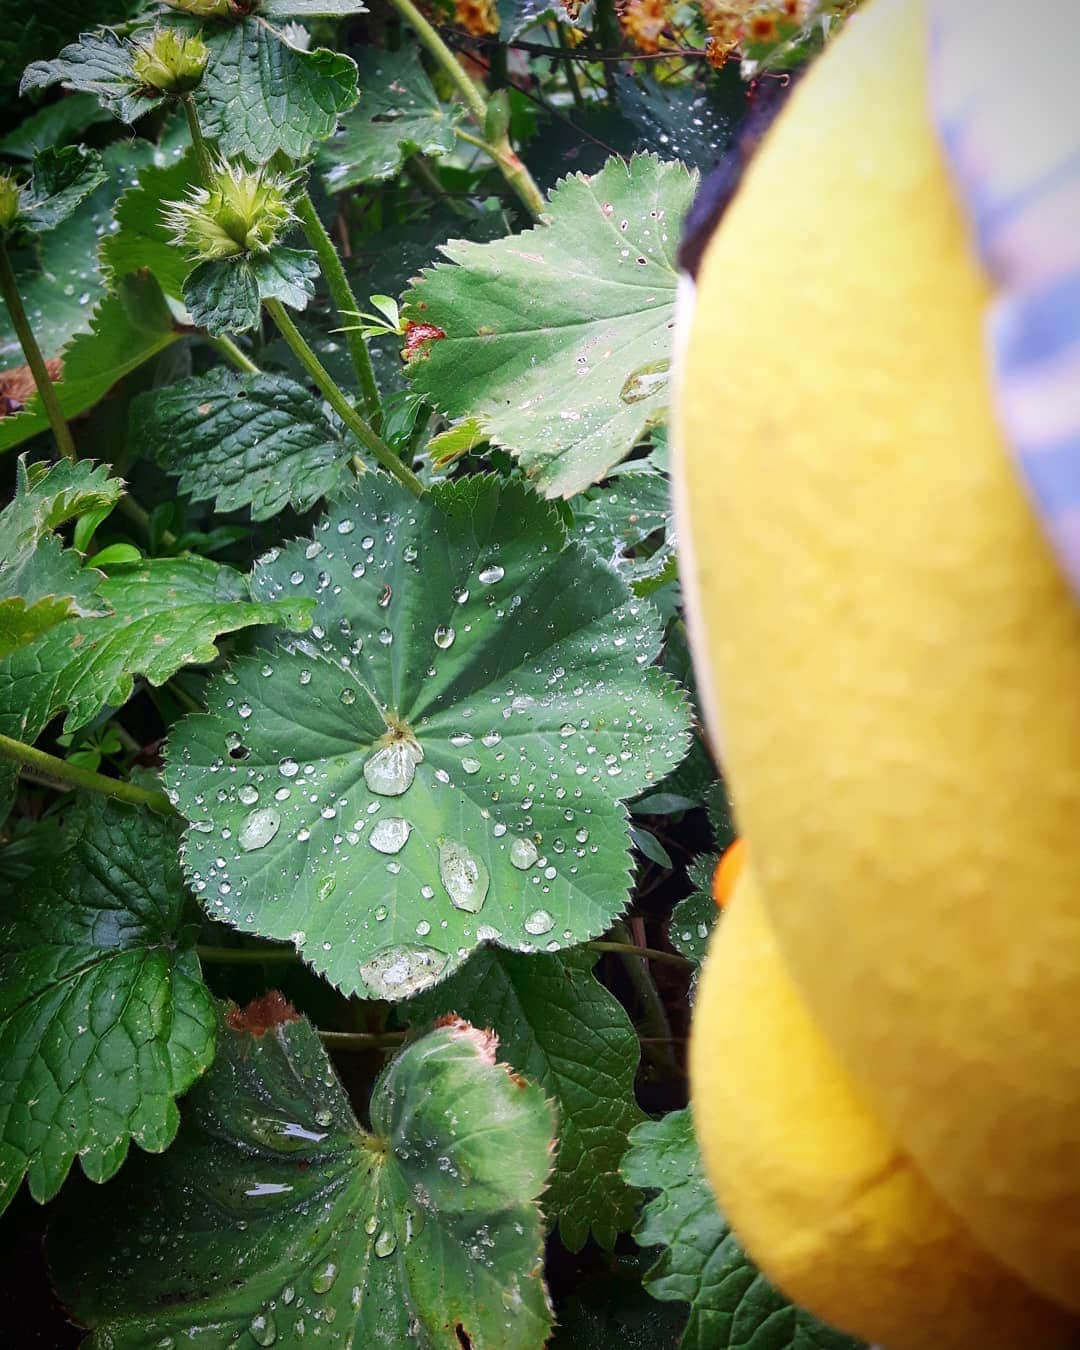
x=523, y=853
x=259, y=828
x=248, y=794
x=643, y=383
x=399, y=972
x=389, y=835
x=288, y=768
x=323, y=1279
x=489, y=575
x=391, y=769
x=539, y=922
x=263, y=1328
x=386, y=1242
x=444, y=636
x=464, y=876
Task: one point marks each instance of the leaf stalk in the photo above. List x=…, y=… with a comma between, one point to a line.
x=198, y=140
x=65, y=775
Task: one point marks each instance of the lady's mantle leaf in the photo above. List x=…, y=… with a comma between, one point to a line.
x=104, y=1017
x=560, y=1027
x=442, y=762
x=275, y=1219
x=399, y=115
x=247, y=440
x=560, y=337
x=165, y=614
x=731, y=1302
x=260, y=95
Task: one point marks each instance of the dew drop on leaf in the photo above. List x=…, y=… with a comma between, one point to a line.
x=259, y=828
x=263, y=1328
x=389, y=835
x=490, y=575
x=539, y=922
x=464, y=876
x=399, y=972
x=444, y=636
x=323, y=1279
x=523, y=854
x=391, y=769
x=288, y=768
x=385, y=1243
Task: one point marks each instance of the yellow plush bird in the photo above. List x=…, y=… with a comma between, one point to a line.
x=878, y=493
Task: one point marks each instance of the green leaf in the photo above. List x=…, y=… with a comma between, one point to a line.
x=442, y=761
x=104, y=1017
x=560, y=337
x=632, y=508
x=286, y=274
x=127, y=329
x=141, y=238
x=41, y=582
x=398, y=116
x=225, y=296
x=310, y=9
x=260, y=95
x=55, y=124
x=693, y=919
x=561, y=1028
x=100, y=64
x=244, y=440
x=166, y=613
x=276, y=1219
x=731, y=1303
x=60, y=181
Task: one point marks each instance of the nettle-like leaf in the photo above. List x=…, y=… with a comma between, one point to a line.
x=60, y=181
x=41, y=582
x=560, y=337
x=224, y=296
x=141, y=238
x=630, y=509
x=261, y=95
x=398, y=116
x=127, y=329
x=275, y=1219
x=442, y=761
x=98, y=63
x=244, y=440
x=104, y=1017
x=164, y=614
x=731, y=1302
x=560, y=1027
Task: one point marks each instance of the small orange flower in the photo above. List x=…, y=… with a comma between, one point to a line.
x=727, y=872
x=478, y=17
x=643, y=22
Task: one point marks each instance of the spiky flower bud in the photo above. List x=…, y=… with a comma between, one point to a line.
x=206, y=9
x=10, y=202
x=239, y=211
x=169, y=60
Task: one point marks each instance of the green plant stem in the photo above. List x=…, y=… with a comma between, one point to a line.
x=344, y=301
x=128, y=506
x=232, y=353
x=646, y=953
x=198, y=140
x=9, y=289
x=361, y=429
x=245, y=956
x=654, y=1021
x=511, y=168
x=64, y=775
x=362, y=1040
x=569, y=69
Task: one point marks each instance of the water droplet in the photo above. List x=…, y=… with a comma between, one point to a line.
x=389, y=834
x=465, y=877
x=288, y=768
x=399, y=972
x=391, y=769
x=248, y=795
x=470, y=765
x=263, y=1328
x=539, y=922
x=348, y=695
x=323, y=1279
x=259, y=828
x=444, y=636
x=523, y=854
x=491, y=574
x=643, y=383
x=386, y=1242
x=460, y=596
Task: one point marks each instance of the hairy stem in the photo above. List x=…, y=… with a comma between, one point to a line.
x=232, y=353
x=646, y=953
x=344, y=301
x=63, y=775
x=511, y=168
x=9, y=289
x=361, y=429
x=245, y=956
x=198, y=140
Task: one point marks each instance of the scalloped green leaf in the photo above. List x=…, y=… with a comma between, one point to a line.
x=54, y=124
x=275, y=1219
x=127, y=329
x=559, y=338
x=60, y=181
x=732, y=1305
x=560, y=1027
x=443, y=760
x=97, y=63
x=104, y=1017
x=225, y=296
x=399, y=115
x=165, y=613
x=260, y=95
x=243, y=440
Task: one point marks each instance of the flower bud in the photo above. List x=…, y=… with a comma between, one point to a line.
x=206, y=9
x=10, y=202
x=239, y=211
x=169, y=60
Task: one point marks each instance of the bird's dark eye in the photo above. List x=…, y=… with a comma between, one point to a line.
x=766, y=97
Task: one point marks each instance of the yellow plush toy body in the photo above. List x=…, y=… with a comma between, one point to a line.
x=886, y=1052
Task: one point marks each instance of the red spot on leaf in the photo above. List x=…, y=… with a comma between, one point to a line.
x=261, y=1014
x=417, y=334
